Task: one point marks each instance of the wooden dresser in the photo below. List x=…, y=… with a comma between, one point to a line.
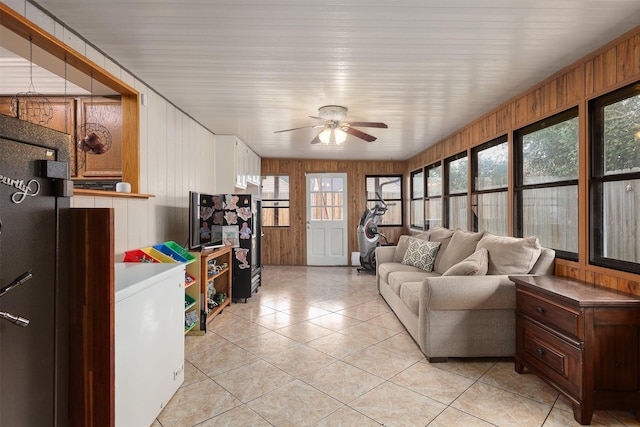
x=582, y=339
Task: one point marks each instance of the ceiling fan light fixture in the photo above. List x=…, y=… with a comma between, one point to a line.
x=325, y=136
x=339, y=135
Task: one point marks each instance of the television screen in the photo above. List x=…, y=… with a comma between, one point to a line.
x=205, y=228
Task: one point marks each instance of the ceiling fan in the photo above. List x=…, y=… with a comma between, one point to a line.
x=335, y=129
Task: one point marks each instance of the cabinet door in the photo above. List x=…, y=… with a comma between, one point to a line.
x=62, y=120
x=108, y=113
x=241, y=167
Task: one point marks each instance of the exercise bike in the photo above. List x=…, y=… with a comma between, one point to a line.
x=369, y=236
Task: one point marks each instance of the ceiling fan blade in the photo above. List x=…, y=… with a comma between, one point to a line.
x=316, y=140
x=368, y=124
x=301, y=127
x=360, y=134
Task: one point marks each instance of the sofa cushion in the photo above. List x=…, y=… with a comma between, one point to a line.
x=476, y=264
x=410, y=295
x=397, y=278
x=510, y=255
x=462, y=244
x=545, y=263
x=403, y=244
x=443, y=236
x=421, y=253
x=437, y=232
x=385, y=269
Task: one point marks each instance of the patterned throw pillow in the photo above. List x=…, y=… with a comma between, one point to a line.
x=421, y=254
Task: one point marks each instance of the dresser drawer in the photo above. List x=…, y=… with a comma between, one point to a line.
x=557, y=359
x=550, y=313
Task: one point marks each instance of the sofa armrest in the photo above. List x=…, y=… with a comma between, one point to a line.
x=450, y=293
x=385, y=254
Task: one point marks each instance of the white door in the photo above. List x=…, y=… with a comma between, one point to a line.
x=327, y=219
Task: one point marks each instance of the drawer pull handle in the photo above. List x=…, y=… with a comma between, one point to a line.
x=540, y=310
x=540, y=351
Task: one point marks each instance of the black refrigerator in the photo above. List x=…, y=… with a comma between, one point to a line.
x=240, y=216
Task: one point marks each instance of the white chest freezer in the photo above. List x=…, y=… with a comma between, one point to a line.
x=149, y=339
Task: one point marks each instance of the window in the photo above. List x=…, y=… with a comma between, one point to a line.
x=490, y=169
x=546, y=188
x=615, y=179
x=390, y=188
x=456, y=179
x=326, y=198
x=275, y=201
x=417, y=199
x=433, y=201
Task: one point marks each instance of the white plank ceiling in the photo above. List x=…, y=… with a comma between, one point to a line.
x=424, y=67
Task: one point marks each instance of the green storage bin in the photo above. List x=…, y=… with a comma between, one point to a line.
x=180, y=251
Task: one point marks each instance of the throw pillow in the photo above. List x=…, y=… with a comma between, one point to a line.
x=510, y=255
x=443, y=236
x=476, y=264
x=438, y=232
x=462, y=244
x=421, y=254
x=403, y=244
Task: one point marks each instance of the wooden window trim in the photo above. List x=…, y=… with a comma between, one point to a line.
x=130, y=97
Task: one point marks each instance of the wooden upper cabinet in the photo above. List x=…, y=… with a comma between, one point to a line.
x=101, y=112
x=69, y=115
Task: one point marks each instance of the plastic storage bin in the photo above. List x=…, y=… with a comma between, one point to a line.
x=166, y=250
x=180, y=251
x=138, y=255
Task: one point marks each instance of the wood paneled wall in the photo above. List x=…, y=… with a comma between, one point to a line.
x=288, y=245
x=615, y=65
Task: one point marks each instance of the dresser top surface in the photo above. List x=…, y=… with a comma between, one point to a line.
x=577, y=291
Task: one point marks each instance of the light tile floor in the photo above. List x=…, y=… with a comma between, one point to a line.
x=317, y=346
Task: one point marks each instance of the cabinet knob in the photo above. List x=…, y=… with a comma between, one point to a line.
x=540, y=351
x=540, y=310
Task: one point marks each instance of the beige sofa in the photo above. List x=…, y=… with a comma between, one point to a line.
x=465, y=306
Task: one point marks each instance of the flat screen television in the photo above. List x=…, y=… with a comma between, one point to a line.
x=204, y=233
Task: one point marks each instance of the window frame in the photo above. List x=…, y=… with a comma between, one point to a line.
x=504, y=139
x=276, y=201
x=414, y=199
x=427, y=197
x=447, y=195
x=598, y=177
x=397, y=202
x=519, y=187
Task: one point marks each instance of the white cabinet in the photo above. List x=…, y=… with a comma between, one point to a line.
x=236, y=166
x=253, y=172
x=149, y=339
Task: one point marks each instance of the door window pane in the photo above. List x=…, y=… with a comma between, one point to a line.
x=327, y=199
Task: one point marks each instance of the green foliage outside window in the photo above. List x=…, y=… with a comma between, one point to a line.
x=622, y=136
